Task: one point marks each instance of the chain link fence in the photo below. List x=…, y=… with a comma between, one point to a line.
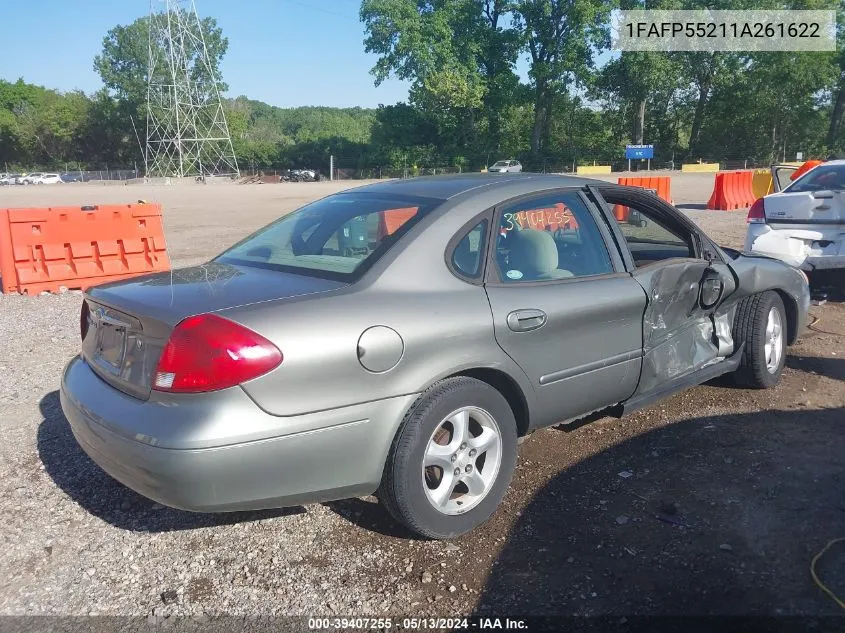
x=349, y=168
x=89, y=175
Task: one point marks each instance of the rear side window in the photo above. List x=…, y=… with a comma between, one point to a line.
x=549, y=238
x=820, y=178
x=338, y=237
x=468, y=256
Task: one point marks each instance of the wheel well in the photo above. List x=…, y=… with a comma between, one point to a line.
x=506, y=386
x=791, y=308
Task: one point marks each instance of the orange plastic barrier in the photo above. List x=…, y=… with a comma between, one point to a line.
x=391, y=220
x=662, y=185
x=78, y=247
x=803, y=169
x=732, y=190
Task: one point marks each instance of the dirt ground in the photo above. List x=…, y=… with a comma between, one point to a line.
x=712, y=502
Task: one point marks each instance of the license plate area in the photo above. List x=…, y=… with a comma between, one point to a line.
x=111, y=346
x=108, y=343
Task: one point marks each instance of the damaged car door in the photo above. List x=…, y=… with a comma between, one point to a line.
x=684, y=330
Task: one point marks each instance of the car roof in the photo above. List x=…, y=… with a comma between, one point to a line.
x=449, y=186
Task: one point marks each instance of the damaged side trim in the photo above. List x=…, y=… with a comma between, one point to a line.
x=588, y=367
x=686, y=381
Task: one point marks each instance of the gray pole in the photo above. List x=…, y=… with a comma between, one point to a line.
x=331, y=167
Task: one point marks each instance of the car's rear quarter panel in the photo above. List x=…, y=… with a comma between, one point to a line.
x=445, y=324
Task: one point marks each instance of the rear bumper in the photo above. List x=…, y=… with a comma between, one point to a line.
x=823, y=263
x=806, y=246
x=330, y=455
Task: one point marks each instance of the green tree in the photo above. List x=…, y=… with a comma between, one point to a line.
x=40, y=126
x=123, y=63
x=838, y=110
x=631, y=80
x=562, y=37
x=459, y=56
x=124, y=66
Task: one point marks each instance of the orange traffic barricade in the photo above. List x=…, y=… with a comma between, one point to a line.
x=803, y=169
x=78, y=247
x=661, y=185
x=732, y=190
x=392, y=219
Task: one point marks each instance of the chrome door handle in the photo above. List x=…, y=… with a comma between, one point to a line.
x=526, y=320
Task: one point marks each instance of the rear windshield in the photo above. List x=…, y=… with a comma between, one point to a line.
x=820, y=178
x=338, y=237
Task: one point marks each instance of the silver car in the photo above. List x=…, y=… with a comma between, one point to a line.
x=505, y=166
x=401, y=337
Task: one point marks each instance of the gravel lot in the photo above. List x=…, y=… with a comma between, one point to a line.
x=713, y=502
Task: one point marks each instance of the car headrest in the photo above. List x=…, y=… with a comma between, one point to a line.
x=533, y=253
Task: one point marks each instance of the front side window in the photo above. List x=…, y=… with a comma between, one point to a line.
x=650, y=238
x=552, y=237
x=337, y=237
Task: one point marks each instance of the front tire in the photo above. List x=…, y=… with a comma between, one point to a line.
x=452, y=459
x=760, y=323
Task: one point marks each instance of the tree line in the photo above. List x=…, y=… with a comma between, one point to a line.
x=469, y=104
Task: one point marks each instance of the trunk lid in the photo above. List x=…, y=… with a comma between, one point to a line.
x=806, y=207
x=129, y=322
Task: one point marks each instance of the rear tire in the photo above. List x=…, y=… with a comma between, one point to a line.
x=760, y=323
x=467, y=427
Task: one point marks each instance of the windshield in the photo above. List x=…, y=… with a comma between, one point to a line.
x=338, y=237
x=501, y=163
x=820, y=178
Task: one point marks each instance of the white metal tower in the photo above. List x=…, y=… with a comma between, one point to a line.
x=187, y=133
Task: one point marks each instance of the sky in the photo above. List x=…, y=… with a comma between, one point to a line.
x=284, y=52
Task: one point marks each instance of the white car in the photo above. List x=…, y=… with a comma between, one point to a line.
x=29, y=179
x=48, y=179
x=503, y=166
x=6, y=179
x=803, y=222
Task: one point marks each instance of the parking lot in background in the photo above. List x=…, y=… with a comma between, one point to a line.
x=714, y=501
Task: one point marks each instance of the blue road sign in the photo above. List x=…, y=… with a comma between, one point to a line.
x=639, y=151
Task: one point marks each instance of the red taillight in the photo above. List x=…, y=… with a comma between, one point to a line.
x=757, y=212
x=83, y=319
x=207, y=352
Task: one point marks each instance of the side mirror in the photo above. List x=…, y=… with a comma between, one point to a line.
x=824, y=194
x=711, y=289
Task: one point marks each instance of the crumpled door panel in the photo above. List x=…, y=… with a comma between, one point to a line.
x=679, y=337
